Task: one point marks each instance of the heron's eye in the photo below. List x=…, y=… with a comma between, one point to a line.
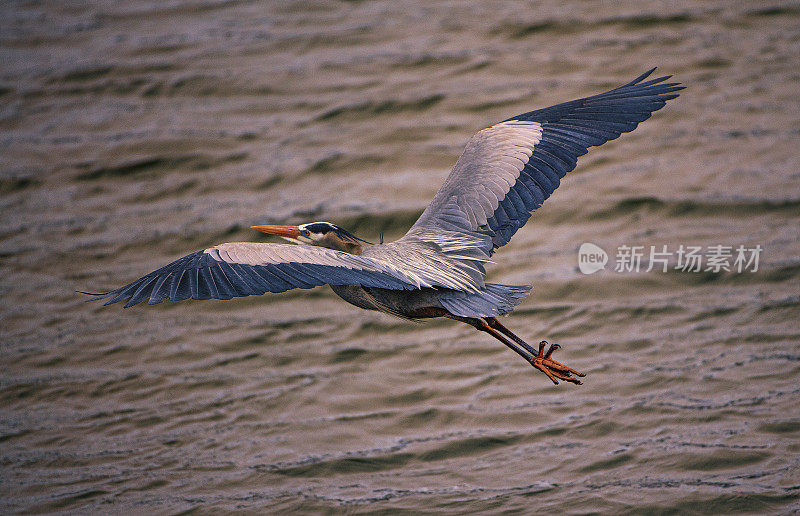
x=306, y=233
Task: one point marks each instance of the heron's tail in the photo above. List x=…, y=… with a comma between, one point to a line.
x=492, y=300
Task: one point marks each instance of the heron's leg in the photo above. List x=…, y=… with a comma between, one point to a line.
x=480, y=324
x=541, y=360
x=494, y=323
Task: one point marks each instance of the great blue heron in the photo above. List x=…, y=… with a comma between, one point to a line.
x=436, y=269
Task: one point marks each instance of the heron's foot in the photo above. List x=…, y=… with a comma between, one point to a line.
x=554, y=370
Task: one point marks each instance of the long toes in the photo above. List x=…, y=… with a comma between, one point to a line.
x=562, y=376
x=568, y=369
x=541, y=347
x=553, y=347
x=559, y=375
x=545, y=370
x=553, y=369
x=553, y=378
x=557, y=366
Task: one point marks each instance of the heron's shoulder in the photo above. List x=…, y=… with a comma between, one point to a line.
x=405, y=246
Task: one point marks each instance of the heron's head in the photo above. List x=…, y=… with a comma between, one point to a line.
x=323, y=234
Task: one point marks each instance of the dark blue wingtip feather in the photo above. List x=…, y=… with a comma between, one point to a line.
x=96, y=295
x=633, y=98
x=639, y=79
x=642, y=86
x=91, y=293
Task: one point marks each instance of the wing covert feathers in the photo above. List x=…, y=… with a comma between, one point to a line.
x=509, y=169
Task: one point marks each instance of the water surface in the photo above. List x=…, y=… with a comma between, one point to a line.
x=132, y=134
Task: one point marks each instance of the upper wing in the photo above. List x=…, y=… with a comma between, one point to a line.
x=244, y=268
x=509, y=169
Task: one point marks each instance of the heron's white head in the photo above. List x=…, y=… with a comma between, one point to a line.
x=324, y=234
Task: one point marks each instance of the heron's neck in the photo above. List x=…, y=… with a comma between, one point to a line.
x=333, y=242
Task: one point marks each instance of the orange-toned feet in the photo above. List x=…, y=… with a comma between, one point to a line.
x=554, y=370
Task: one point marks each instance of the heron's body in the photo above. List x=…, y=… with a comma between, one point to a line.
x=438, y=268
x=413, y=304
x=424, y=303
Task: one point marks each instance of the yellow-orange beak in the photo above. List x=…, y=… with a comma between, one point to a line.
x=282, y=231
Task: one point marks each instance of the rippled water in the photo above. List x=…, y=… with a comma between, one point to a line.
x=135, y=133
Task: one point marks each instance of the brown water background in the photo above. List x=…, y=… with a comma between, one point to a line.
x=132, y=133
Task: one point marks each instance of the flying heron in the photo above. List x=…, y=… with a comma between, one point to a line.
x=437, y=268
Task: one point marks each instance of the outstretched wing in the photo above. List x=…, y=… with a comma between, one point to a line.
x=245, y=268
x=509, y=169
